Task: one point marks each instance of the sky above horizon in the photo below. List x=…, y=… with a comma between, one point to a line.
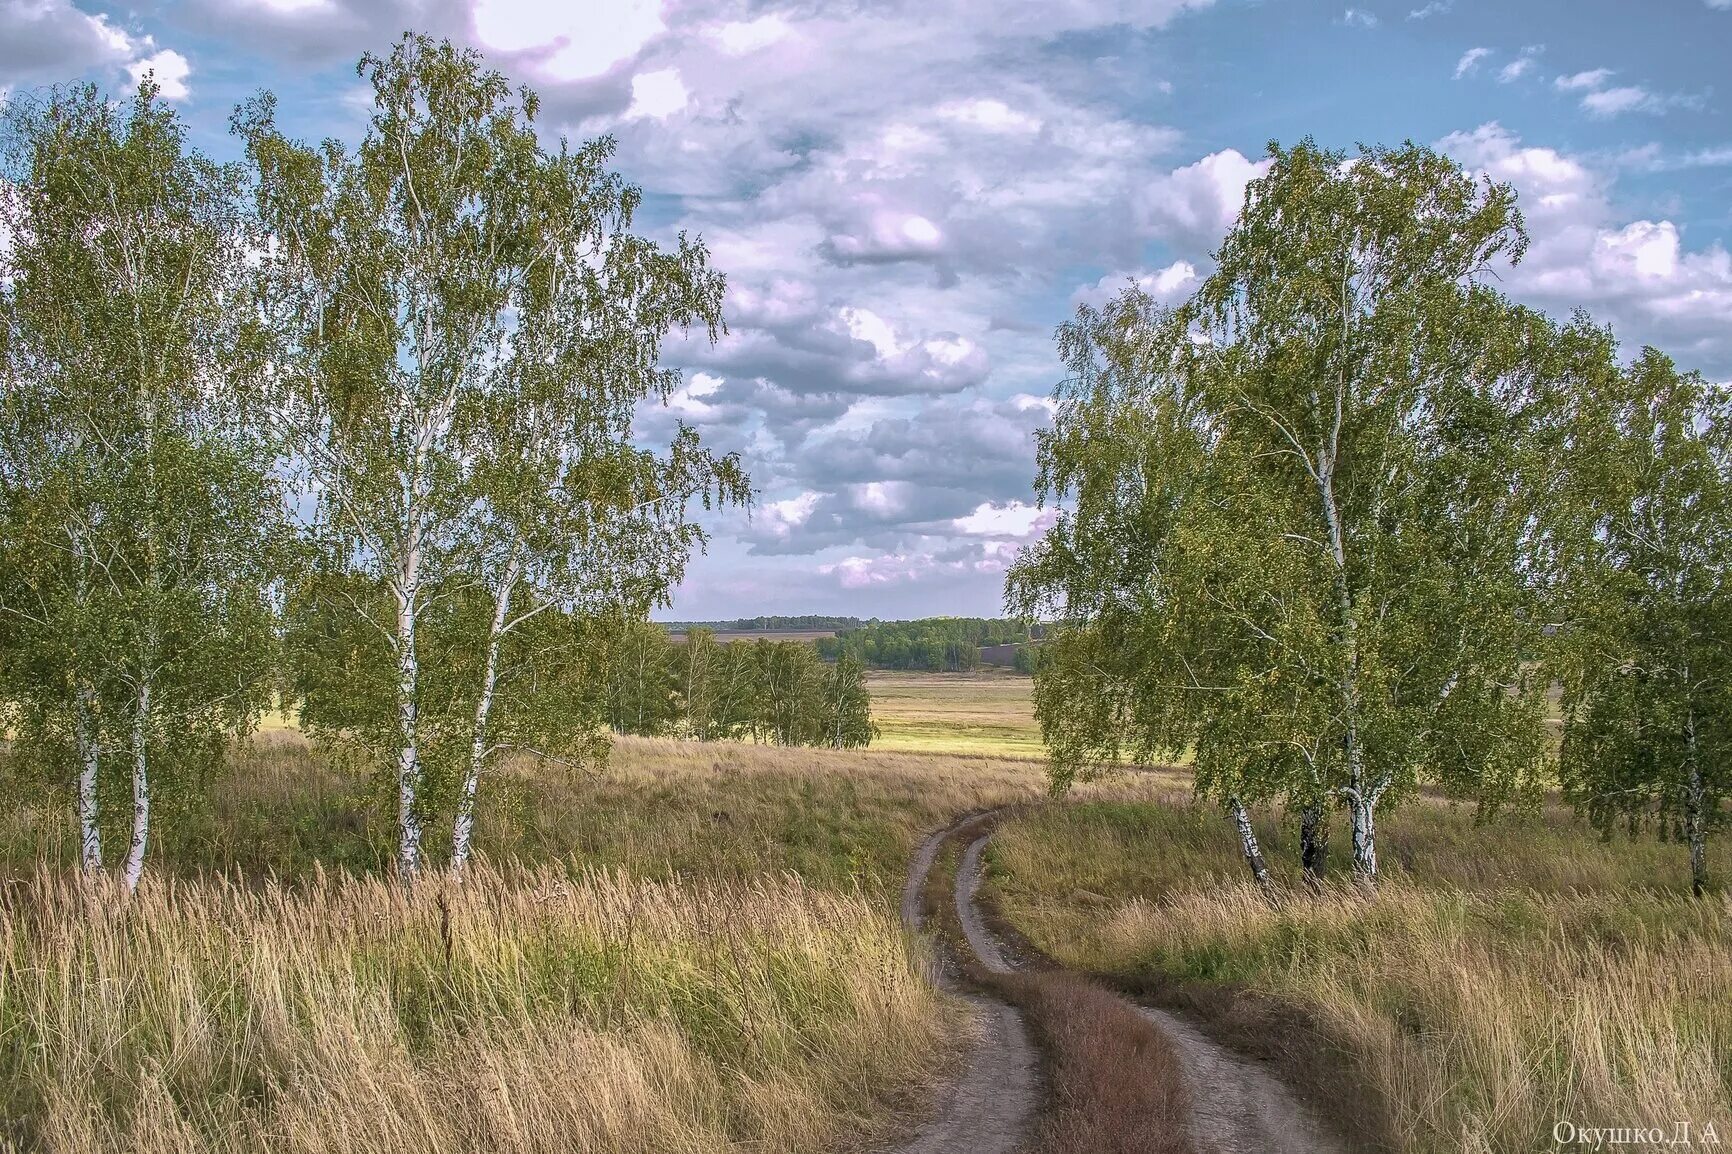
x=909, y=197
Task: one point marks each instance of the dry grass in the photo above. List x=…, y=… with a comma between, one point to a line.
x=662, y=808
x=1505, y=978
x=1116, y=1086
x=524, y=1011
x=986, y=714
x=699, y=954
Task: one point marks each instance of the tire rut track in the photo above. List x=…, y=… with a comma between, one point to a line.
x=1236, y=1105
x=991, y=1106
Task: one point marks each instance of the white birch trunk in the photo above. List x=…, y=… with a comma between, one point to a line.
x=1695, y=809
x=140, y=787
x=134, y=868
x=1249, y=846
x=1362, y=801
x=408, y=750
x=464, y=824
x=1363, y=810
x=89, y=754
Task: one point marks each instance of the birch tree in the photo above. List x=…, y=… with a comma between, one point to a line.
x=699, y=662
x=142, y=522
x=845, y=717
x=468, y=325
x=1644, y=647
x=643, y=680
x=1299, y=507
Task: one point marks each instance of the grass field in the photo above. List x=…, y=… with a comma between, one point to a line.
x=693, y=950
x=986, y=714
x=662, y=808
x=1506, y=977
x=523, y=1011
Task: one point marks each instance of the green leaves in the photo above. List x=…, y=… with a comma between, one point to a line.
x=142, y=526
x=1642, y=534
x=466, y=326
x=1293, y=512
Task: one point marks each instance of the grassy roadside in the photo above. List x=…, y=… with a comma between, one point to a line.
x=523, y=1011
x=695, y=950
x=661, y=808
x=1506, y=978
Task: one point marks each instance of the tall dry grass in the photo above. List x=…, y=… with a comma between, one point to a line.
x=840, y=819
x=526, y=1010
x=1503, y=980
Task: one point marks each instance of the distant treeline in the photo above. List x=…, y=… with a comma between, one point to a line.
x=810, y=622
x=934, y=644
x=773, y=692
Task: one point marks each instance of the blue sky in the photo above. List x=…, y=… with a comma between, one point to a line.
x=909, y=196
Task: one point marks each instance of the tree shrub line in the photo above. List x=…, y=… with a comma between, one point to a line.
x=772, y=692
x=1337, y=523
x=933, y=644
x=349, y=424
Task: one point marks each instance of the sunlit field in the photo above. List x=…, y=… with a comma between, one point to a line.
x=986, y=714
x=1504, y=978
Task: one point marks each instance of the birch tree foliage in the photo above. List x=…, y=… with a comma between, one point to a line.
x=1294, y=512
x=142, y=524
x=468, y=325
x=1644, y=648
x=845, y=715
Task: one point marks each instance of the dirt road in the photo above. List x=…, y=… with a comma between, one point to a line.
x=1237, y=1106
x=990, y=1107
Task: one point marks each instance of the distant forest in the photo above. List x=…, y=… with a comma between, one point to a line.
x=935, y=644
x=770, y=624
x=930, y=644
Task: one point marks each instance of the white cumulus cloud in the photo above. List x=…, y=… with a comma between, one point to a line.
x=659, y=94
x=1470, y=60
x=169, y=68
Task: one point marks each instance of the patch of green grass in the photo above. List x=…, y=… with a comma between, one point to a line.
x=982, y=714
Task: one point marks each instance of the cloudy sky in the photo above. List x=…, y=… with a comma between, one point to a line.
x=908, y=195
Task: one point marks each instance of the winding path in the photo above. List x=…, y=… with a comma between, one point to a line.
x=989, y=1108
x=1238, y=1107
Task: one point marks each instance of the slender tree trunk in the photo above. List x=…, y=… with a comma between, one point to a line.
x=1363, y=810
x=89, y=753
x=134, y=866
x=1695, y=810
x=464, y=823
x=1362, y=802
x=1314, y=841
x=1250, y=848
x=408, y=749
x=140, y=787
